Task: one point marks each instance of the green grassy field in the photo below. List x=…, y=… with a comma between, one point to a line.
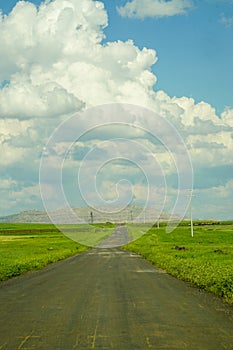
x=25, y=247
x=205, y=260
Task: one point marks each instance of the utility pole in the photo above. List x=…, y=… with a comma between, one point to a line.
x=92, y=218
x=191, y=216
x=191, y=212
x=158, y=222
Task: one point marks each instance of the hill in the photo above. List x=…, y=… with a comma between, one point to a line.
x=87, y=215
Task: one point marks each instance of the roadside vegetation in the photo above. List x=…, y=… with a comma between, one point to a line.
x=205, y=260
x=25, y=247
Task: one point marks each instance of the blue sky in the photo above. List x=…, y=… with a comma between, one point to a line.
x=195, y=50
x=66, y=56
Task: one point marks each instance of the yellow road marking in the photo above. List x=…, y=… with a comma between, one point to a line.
x=148, y=342
x=94, y=337
x=26, y=339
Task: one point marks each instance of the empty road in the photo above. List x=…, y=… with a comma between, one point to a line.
x=110, y=299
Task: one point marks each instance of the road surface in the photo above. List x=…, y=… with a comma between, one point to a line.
x=110, y=299
x=118, y=238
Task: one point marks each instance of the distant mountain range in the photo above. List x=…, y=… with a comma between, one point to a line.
x=37, y=216
x=88, y=215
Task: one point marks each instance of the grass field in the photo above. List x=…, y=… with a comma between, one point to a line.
x=205, y=260
x=25, y=247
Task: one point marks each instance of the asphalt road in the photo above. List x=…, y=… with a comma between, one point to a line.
x=110, y=299
x=118, y=238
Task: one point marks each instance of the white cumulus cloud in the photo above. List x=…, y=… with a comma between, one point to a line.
x=227, y=116
x=154, y=8
x=55, y=63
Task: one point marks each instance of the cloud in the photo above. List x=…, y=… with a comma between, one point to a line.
x=227, y=116
x=226, y=21
x=154, y=8
x=14, y=195
x=214, y=202
x=34, y=40
x=54, y=63
x=22, y=99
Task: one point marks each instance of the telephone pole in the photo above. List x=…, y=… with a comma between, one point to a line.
x=92, y=218
x=191, y=212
